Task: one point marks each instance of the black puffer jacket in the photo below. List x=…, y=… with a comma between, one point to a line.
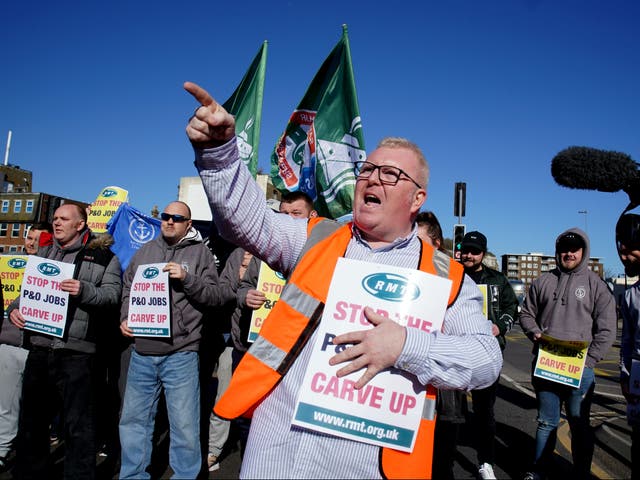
x=98, y=270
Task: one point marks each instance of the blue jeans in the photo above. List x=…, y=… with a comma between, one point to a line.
x=178, y=374
x=577, y=404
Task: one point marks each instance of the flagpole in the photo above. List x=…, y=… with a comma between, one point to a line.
x=6, y=152
x=323, y=137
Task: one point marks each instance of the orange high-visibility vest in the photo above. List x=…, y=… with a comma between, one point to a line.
x=295, y=317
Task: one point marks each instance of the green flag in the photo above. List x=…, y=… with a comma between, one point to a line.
x=246, y=106
x=323, y=138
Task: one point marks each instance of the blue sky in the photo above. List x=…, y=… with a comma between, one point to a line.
x=491, y=90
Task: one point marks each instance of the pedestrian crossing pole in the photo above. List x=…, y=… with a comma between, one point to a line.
x=459, y=202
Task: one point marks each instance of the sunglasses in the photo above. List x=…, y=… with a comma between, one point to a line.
x=175, y=217
x=471, y=250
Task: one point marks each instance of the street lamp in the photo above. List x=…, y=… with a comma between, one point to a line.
x=586, y=230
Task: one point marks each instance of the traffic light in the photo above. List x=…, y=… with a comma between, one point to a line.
x=458, y=235
x=459, y=199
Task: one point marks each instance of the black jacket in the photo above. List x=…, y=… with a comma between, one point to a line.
x=98, y=270
x=502, y=303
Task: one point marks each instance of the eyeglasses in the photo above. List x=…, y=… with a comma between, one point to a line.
x=471, y=250
x=388, y=174
x=175, y=217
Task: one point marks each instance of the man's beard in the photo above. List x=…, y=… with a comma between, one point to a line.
x=632, y=269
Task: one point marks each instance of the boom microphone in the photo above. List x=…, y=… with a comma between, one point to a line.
x=593, y=169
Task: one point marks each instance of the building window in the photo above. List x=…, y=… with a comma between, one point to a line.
x=17, y=206
x=29, y=206
x=3, y=229
x=27, y=226
x=5, y=206
x=13, y=249
x=15, y=230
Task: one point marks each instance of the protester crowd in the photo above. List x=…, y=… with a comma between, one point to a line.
x=101, y=373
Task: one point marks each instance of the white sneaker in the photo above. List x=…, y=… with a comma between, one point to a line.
x=212, y=462
x=486, y=472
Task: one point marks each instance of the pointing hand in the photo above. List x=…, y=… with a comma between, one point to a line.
x=211, y=125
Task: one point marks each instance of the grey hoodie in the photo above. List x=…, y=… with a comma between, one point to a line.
x=189, y=298
x=572, y=305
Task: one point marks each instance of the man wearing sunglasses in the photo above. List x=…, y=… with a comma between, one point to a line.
x=168, y=363
x=501, y=306
x=628, y=244
x=390, y=188
x=571, y=303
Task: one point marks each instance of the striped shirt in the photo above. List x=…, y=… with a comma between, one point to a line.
x=464, y=356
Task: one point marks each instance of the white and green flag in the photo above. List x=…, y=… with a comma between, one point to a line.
x=246, y=106
x=323, y=138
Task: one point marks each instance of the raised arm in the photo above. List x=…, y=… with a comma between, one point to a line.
x=238, y=205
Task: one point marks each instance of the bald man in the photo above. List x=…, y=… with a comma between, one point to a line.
x=168, y=363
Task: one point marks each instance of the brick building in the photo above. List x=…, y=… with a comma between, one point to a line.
x=20, y=207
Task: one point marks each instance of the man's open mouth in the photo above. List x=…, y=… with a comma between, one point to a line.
x=371, y=199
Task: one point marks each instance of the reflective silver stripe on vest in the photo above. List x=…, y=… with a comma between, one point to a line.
x=299, y=300
x=267, y=352
x=263, y=349
x=441, y=263
x=429, y=409
x=319, y=232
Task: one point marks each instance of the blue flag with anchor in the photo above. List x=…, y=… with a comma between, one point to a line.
x=131, y=229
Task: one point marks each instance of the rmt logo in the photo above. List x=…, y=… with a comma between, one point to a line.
x=391, y=287
x=151, y=272
x=17, y=263
x=48, y=269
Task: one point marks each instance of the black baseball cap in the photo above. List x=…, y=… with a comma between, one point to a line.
x=570, y=242
x=474, y=240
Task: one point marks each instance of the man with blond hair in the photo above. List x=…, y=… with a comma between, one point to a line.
x=390, y=189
